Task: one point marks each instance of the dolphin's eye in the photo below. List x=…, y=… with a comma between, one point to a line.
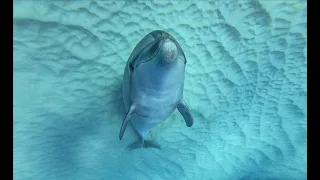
x=130, y=67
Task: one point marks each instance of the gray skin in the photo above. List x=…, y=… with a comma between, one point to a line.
x=153, y=84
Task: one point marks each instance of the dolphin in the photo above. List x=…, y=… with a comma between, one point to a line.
x=152, y=86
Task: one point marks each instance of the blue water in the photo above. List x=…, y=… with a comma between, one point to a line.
x=245, y=85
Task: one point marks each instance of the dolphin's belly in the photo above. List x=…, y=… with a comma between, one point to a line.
x=150, y=119
x=159, y=105
x=144, y=124
x=153, y=109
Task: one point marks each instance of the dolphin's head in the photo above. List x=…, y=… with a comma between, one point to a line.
x=160, y=65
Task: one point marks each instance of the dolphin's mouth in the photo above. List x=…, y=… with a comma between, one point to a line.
x=151, y=50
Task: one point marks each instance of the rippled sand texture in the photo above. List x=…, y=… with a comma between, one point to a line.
x=245, y=83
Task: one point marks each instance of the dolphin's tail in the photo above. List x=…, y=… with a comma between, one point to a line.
x=150, y=144
x=143, y=144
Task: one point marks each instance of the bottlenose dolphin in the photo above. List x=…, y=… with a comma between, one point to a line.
x=153, y=84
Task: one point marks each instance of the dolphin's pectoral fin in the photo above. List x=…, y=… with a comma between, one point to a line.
x=185, y=112
x=143, y=144
x=125, y=121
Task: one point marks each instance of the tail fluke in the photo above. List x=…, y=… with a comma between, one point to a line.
x=143, y=144
x=150, y=144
